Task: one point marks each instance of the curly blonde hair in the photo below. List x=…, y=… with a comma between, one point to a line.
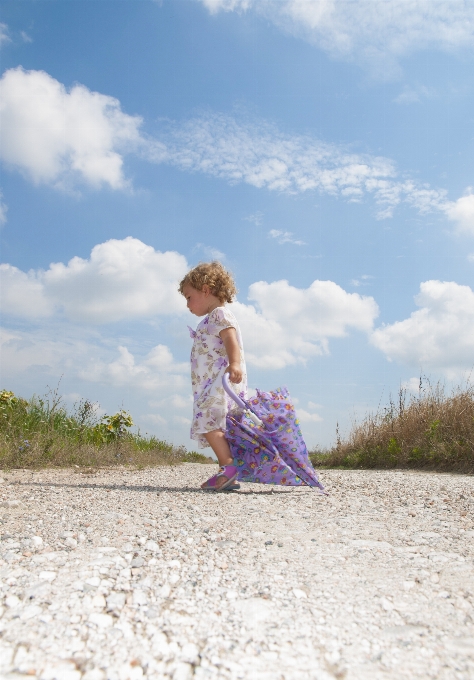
x=214, y=275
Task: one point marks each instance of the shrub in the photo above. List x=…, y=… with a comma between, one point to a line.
x=42, y=433
x=429, y=430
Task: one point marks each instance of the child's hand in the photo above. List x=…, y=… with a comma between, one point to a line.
x=235, y=372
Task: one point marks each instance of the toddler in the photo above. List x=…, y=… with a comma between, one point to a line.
x=217, y=349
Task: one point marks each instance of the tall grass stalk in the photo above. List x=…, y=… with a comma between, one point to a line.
x=429, y=430
x=41, y=432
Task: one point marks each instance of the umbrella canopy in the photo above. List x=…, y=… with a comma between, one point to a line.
x=273, y=452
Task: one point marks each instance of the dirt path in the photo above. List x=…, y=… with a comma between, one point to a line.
x=124, y=575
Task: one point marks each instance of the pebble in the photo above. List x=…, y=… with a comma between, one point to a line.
x=123, y=575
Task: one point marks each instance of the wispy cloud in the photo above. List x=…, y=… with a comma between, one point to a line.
x=210, y=252
x=4, y=34
x=258, y=153
x=3, y=210
x=284, y=237
x=413, y=95
x=376, y=35
x=82, y=136
x=363, y=280
x=256, y=218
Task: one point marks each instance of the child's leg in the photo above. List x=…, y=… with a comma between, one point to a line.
x=219, y=445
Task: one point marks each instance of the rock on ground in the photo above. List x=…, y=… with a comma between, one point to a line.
x=122, y=575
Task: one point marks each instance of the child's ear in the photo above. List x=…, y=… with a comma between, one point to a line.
x=205, y=289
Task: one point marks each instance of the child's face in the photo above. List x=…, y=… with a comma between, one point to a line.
x=198, y=301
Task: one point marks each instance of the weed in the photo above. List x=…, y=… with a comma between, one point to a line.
x=429, y=430
x=42, y=433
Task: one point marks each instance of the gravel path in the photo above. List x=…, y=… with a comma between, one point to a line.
x=121, y=575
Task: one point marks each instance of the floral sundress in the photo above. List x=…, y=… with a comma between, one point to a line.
x=208, y=364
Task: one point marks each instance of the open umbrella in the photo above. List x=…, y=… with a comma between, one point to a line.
x=266, y=441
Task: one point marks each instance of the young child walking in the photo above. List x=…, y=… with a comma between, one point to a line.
x=217, y=349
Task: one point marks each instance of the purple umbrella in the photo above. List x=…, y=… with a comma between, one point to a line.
x=266, y=441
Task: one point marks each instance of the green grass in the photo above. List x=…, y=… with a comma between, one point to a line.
x=431, y=430
x=41, y=433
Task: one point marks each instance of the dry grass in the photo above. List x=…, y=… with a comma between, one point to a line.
x=41, y=433
x=431, y=430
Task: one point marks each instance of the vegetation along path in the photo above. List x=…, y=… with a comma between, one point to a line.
x=125, y=574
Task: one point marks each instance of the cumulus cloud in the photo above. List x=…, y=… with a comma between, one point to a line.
x=57, y=137
x=289, y=325
x=462, y=212
x=157, y=370
x=259, y=154
x=439, y=335
x=121, y=279
x=87, y=357
x=374, y=34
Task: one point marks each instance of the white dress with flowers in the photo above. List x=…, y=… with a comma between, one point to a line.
x=208, y=363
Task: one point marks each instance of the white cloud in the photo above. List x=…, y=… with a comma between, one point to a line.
x=413, y=95
x=257, y=153
x=289, y=325
x=411, y=385
x=462, y=212
x=77, y=355
x=439, y=336
x=156, y=371
x=57, y=137
x=4, y=34
x=121, y=279
x=25, y=37
x=307, y=417
x=256, y=218
x=470, y=257
x=3, y=210
x=374, y=34
x=363, y=280
x=284, y=237
x=60, y=137
x=210, y=252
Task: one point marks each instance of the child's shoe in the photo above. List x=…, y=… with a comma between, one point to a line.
x=226, y=472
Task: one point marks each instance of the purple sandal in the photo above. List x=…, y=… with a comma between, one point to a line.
x=228, y=471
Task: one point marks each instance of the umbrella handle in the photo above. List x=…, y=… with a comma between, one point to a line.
x=240, y=403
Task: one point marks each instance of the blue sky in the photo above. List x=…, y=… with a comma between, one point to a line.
x=322, y=149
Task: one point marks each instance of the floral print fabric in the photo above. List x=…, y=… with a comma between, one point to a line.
x=276, y=453
x=208, y=364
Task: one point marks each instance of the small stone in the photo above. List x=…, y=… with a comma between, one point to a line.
x=37, y=541
x=298, y=593
x=386, y=604
x=30, y=612
x=47, y=575
x=98, y=601
x=138, y=562
x=152, y=546
x=101, y=620
x=139, y=597
x=115, y=601
x=12, y=601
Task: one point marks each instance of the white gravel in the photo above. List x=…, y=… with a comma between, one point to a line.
x=122, y=575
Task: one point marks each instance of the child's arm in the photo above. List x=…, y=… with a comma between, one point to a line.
x=234, y=369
